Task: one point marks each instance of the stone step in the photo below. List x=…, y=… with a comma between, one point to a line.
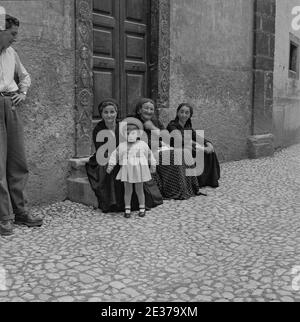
x=261, y=146
x=80, y=191
x=78, y=167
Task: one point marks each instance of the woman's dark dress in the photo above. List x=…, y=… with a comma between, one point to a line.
x=108, y=190
x=211, y=174
x=171, y=179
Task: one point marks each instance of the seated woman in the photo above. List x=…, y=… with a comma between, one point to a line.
x=108, y=190
x=171, y=178
x=211, y=174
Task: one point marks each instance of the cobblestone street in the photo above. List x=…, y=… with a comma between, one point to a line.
x=240, y=243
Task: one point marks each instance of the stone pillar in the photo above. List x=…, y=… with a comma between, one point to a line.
x=79, y=189
x=160, y=52
x=261, y=144
x=84, y=78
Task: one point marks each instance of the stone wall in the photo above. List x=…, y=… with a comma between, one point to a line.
x=46, y=47
x=211, y=67
x=286, y=89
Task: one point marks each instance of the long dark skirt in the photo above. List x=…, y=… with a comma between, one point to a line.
x=110, y=192
x=173, y=181
x=211, y=174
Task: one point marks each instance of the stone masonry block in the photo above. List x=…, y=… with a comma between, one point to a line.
x=259, y=86
x=78, y=167
x=78, y=163
x=261, y=146
x=258, y=22
x=80, y=191
x=268, y=24
x=265, y=7
x=264, y=63
x=272, y=45
x=269, y=85
x=262, y=44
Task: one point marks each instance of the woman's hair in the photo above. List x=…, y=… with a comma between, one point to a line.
x=108, y=102
x=140, y=103
x=11, y=21
x=189, y=121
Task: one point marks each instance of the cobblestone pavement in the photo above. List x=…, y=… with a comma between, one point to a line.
x=240, y=243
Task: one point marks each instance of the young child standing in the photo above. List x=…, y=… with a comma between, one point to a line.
x=137, y=163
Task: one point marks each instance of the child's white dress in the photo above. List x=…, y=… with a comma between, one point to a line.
x=134, y=162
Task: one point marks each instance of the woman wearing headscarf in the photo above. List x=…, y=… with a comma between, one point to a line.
x=183, y=122
x=171, y=178
x=108, y=190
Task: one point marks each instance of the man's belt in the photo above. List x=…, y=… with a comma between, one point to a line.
x=8, y=94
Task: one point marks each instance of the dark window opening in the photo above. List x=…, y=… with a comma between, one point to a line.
x=293, y=57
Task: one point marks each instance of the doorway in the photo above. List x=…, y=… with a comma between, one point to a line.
x=122, y=50
x=121, y=41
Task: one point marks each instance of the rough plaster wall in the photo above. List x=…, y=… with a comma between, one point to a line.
x=211, y=66
x=286, y=90
x=46, y=48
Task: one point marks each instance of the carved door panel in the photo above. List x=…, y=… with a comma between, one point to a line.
x=120, y=51
x=106, y=51
x=134, y=51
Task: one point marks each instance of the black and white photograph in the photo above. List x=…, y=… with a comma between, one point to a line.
x=149, y=153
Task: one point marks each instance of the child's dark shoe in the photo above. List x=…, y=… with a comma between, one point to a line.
x=127, y=213
x=142, y=213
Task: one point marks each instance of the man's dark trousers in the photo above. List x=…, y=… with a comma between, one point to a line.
x=13, y=165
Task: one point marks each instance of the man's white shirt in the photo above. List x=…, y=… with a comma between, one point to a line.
x=10, y=65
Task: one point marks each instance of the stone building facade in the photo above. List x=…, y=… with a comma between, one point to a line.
x=46, y=47
x=286, y=112
x=230, y=59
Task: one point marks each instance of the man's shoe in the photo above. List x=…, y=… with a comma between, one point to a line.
x=6, y=228
x=28, y=220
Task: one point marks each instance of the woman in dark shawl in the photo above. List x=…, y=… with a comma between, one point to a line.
x=183, y=121
x=108, y=190
x=171, y=178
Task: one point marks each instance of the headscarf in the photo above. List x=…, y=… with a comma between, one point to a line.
x=108, y=102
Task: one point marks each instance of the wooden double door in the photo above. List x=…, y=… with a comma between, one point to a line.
x=121, y=52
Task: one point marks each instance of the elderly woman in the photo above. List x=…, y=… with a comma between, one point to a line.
x=171, y=178
x=108, y=190
x=183, y=121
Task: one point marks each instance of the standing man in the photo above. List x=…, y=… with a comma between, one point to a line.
x=13, y=166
